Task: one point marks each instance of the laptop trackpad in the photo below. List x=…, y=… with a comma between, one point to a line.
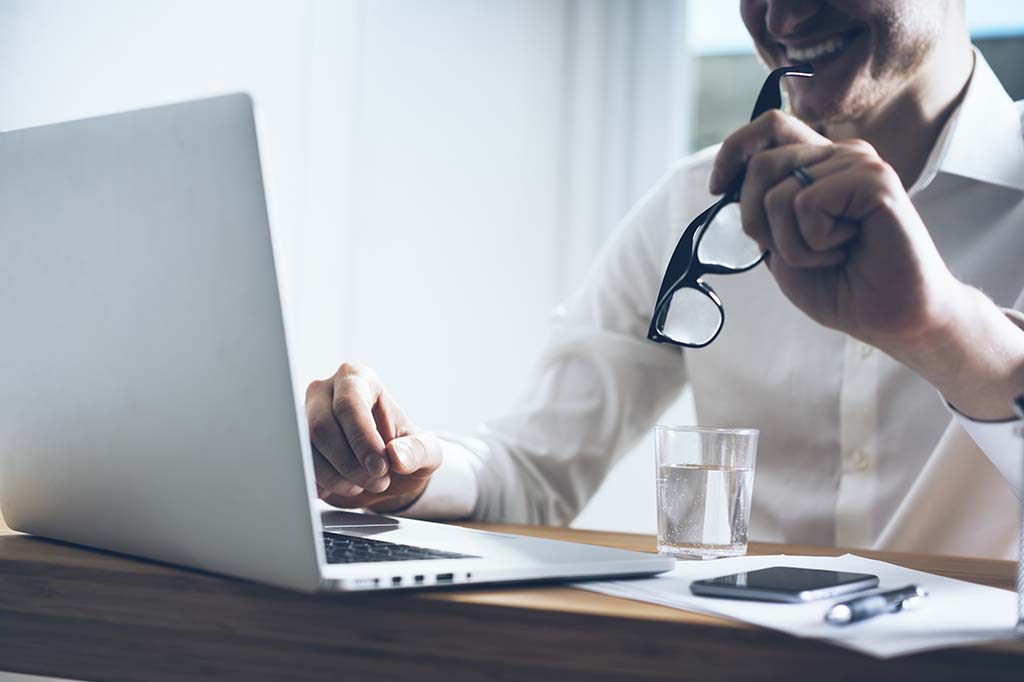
x=344, y=519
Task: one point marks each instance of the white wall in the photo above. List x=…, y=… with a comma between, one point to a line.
x=454, y=225
x=439, y=172
x=67, y=59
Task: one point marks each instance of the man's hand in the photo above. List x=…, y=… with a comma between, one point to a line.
x=851, y=251
x=366, y=452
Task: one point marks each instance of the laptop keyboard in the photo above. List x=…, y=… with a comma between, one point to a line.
x=350, y=549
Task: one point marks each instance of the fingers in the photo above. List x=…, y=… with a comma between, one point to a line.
x=356, y=392
x=823, y=231
x=329, y=481
x=388, y=416
x=418, y=454
x=351, y=417
x=856, y=184
x=806, y=226
x=831, y=210
x=332, y=448
x=772, y=129
x=766, y=171
x=803, y=243
x=788, y=239
x=413, y=460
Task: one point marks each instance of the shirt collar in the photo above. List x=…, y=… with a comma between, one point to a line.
x=983, y=139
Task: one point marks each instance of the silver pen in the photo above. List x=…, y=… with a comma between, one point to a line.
x=871, y=605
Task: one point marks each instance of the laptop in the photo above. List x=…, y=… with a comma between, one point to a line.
x=146, y=401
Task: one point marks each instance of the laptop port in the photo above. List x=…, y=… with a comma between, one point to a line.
x=445, y=577
x=396, y=581
x=418, y=579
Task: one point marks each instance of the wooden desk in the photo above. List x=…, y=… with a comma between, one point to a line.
x=71, y=612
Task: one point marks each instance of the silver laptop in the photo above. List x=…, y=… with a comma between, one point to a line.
x=146, y=402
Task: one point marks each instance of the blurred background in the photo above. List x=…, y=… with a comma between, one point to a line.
x=439, y=173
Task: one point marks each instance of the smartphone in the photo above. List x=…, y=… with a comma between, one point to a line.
x=784, y=584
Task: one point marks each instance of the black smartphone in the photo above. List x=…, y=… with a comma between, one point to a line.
x=784, y=584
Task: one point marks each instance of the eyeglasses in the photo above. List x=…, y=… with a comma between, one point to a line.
x=688, y=312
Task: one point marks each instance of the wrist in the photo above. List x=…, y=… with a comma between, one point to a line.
x=975, y=357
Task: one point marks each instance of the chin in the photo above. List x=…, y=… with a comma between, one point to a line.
x=849, y=104
x=817, y=112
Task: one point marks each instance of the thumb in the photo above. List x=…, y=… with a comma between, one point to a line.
x=418, y=453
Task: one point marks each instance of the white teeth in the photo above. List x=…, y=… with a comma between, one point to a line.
x=808, y=54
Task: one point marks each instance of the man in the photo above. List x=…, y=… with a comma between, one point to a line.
x=848, y=351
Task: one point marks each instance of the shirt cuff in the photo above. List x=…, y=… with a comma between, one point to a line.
x=1001, y=441
x=451, y=492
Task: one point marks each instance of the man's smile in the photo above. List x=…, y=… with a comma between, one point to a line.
x=818, y=49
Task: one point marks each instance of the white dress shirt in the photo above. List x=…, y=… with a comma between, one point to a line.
x=855, y=449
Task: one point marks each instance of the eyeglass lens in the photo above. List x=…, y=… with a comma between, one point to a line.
x=691, y=317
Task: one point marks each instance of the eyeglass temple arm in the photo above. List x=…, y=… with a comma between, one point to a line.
x=771, y=92
x=769, y=98
x=679, y=262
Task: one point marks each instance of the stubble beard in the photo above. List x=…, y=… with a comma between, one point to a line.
x=903, y=45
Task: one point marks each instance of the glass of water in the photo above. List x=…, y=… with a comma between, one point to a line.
x=705, y=478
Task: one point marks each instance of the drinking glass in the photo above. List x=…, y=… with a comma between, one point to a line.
x=705, y=478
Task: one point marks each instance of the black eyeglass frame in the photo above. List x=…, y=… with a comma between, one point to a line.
x=685, y=268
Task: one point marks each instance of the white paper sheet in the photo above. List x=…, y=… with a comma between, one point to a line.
x=955, y=613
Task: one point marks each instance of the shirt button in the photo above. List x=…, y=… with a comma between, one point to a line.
x=860, y=460
x=865, y=350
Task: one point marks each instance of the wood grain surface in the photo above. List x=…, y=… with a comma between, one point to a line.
x=72, y=612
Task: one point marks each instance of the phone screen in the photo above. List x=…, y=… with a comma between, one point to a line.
x=784, y=583
x=788, y=579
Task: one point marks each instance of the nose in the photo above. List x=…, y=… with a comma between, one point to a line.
x=786, y=17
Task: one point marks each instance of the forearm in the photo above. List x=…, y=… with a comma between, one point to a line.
x=976, y=359
x=490, y=479
x=596, y=395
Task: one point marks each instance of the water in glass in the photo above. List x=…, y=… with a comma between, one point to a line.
x=704, y=510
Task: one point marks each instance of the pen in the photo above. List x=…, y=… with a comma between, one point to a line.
x=872, y=605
